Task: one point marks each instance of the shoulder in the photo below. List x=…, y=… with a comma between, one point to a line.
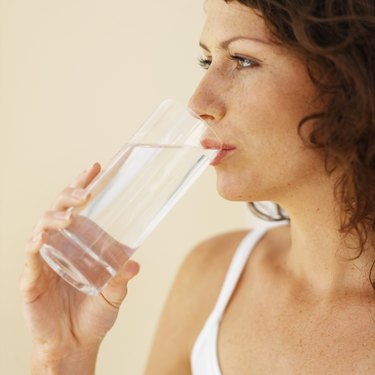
x=192, y=298
x=202, y=274
x=205, y=267
x=190, y=301
x=203, y=270
x=208, y=262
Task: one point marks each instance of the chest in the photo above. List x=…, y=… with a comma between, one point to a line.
x=267, y=336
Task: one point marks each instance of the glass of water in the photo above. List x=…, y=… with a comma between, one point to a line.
x=131, y=196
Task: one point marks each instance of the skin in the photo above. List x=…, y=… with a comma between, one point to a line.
x=256, y=108
x=70, y=341
x=299, y=306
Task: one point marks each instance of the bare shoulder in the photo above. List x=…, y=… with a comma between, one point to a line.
x=217, y=249
x=206, y=265
x=190, y=301
x=208, y=262
x=201, y=275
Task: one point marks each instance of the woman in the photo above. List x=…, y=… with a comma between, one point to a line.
x=290, y=89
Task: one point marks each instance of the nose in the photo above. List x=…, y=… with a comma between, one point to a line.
x=208, y=98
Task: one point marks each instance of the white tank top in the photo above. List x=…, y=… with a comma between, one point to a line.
x=204, y=359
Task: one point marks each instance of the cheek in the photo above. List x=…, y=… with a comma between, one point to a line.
x=273, y=158
x=272, y=114
x=279, y=94
x=295, y=96
x=263, y=175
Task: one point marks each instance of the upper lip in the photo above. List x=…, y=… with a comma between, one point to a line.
x=215, y=144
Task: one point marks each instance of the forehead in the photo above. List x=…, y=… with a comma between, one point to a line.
x=226, y=20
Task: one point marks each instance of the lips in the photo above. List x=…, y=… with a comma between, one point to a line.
x=224, y=148
x=211, y=144
x=224, y=152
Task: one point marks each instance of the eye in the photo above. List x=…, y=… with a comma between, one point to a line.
x=244, y=62
x=204, y=62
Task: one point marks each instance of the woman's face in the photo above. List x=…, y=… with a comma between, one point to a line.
x=254, y=93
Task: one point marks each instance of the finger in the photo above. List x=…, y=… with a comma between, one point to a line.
x=30, y=284
x=33, y=267
x=71, y=197
x=34, y=244
x=126, y=273
x=86, y=176
x=53, y=220
x=116, y=290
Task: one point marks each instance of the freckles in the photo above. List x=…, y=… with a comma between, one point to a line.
x=292, y=103
x=299, y=92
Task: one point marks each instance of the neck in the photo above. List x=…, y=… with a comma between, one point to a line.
x=320, y=256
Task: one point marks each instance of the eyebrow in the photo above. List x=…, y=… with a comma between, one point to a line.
x=225, y=43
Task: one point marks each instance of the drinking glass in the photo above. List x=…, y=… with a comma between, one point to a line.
x=131, y=196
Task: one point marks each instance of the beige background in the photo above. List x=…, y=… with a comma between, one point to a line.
x=76, y=78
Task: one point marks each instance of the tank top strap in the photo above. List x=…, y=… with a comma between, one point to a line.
x=235, y=269
x=203, y=358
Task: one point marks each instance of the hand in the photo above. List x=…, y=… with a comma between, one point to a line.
x=61, y=319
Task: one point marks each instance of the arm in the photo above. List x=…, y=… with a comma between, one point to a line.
x=82, y=361
x=67, y=326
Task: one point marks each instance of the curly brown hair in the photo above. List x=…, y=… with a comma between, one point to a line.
x=337, y=40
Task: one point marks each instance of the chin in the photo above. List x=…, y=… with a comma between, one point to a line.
x=232, y=191
x=239, y=188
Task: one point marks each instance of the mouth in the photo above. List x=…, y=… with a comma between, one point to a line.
x=225, y=150
x=223, y=154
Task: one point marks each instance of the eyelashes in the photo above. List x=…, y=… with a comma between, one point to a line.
x=244, y=62
x=241, y=62
x=204, y=63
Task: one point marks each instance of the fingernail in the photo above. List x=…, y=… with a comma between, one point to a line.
x=89, y=168
x=80, y=194
x=131, y=270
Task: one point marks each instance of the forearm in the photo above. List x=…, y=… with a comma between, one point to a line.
x=80, y=362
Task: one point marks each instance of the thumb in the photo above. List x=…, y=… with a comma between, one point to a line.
x=115, y=292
